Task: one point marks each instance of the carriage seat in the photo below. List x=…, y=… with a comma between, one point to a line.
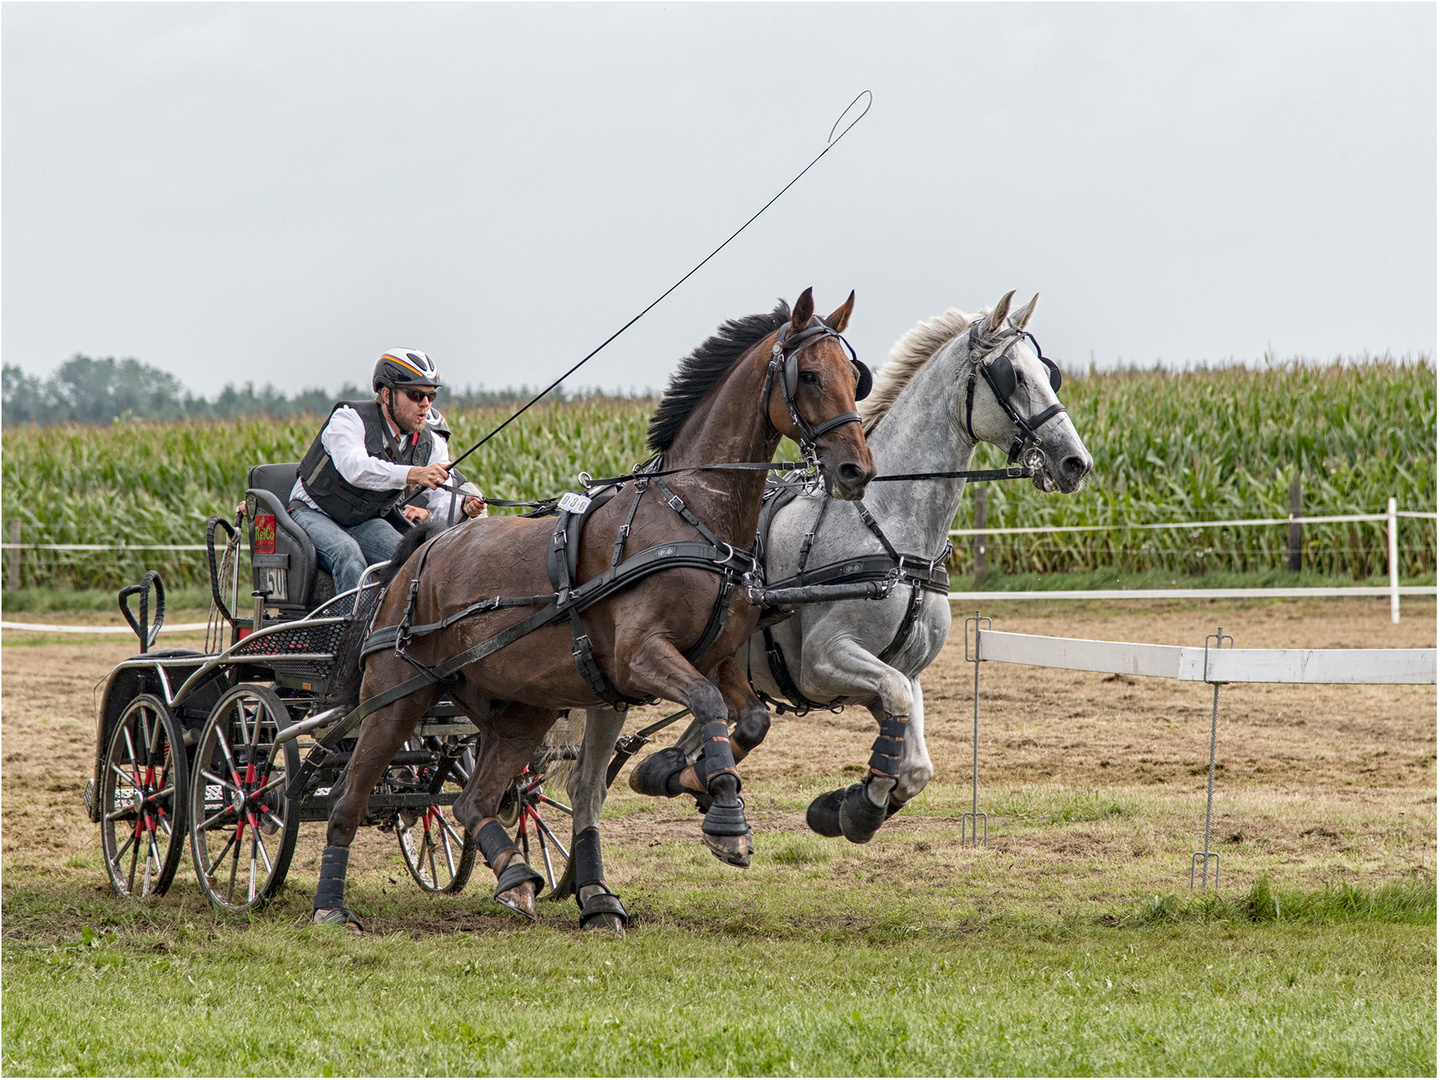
x=286, y=565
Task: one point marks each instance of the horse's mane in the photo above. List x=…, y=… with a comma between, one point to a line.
x=704, y=367
x=910, y=353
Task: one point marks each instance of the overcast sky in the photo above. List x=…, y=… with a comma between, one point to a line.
x=278, y=193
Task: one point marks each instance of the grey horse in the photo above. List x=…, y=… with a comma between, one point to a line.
x=949, y=383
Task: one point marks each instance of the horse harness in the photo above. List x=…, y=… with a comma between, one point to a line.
x=919, y=573
x=999, y=373
x=570, y=598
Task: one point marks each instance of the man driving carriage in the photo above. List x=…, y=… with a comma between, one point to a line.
x=368, y=456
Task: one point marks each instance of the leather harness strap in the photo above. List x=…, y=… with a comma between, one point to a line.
x=921, y=574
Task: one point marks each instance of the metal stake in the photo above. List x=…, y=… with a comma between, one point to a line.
x=972, y=821
x=1203, y=857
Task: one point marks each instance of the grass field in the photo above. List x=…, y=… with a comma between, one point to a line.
x=1071, y=944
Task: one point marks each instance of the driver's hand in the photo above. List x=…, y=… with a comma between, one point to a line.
x=415, y=514
x=429, y=476
x=474, y=507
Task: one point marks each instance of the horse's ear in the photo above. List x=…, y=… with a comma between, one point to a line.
x=995, y=322
x=840, y=318
x=1022, y=316
x=803, y=311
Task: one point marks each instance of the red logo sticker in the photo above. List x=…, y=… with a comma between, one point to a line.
x=264, y=534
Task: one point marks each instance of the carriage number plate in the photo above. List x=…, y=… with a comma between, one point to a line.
x=275, y=580
x=575, y=504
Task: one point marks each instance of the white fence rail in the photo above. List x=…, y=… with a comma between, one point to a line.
x=1213, y=665
x=1348, y=666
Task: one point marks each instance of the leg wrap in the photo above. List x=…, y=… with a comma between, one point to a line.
x=888, y=746
x=718, y=755
x=494, y=842
x=331, y=890
x=588, y=863
x=590, y=871
x=751, y=730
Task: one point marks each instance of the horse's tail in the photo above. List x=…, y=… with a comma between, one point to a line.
x=348, y=670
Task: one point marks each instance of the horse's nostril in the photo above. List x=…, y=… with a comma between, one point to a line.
x=1074, y=466
x=851, y=473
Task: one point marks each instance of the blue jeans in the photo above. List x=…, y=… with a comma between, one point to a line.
x=346, y=552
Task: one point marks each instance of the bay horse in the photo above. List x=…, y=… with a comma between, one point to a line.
x=671, y=635
x=932, y=404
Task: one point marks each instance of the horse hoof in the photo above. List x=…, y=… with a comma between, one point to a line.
x=341, y=917
x=603, y=924
x=823, y=814
x=731, y=850
x=860, y=818
x=603, y=911
x=658, y=774
x=520, y=900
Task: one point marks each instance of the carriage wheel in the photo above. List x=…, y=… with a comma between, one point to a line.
x=242, y=827
x=546, y=820
x=438, y=851
x=145, y=793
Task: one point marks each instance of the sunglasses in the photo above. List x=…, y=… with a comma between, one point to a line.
x=418, y=396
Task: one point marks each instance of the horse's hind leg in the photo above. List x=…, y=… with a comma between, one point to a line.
x=507, y=744
x=584, y=877
x=382, y=733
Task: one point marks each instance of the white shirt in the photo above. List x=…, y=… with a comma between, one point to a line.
x=344, y=440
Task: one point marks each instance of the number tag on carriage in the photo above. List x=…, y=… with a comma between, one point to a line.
x=575, y=504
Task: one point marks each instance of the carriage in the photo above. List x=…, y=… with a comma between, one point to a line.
x=238, y=744
x=224, y=750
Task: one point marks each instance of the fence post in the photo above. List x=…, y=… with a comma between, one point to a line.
x=979, y=542
x=1296, y=530
x=15, y=555
x=1393, y=560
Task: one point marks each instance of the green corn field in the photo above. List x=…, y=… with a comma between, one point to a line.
x=1218, y=443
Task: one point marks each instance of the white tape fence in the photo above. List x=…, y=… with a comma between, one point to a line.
x=1214, y=663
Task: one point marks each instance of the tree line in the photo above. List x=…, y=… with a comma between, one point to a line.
x=88, y=391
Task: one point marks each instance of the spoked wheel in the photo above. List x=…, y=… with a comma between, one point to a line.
x=536, y=812
x=242, y=827
x=145, y=793
x=438, y=851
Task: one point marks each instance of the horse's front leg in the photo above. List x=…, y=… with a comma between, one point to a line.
x=915, y=767
x=506, y=746
x=382, y=733
x=747, y=713
x=600, y=909
x=658, y=667
x=843, y=668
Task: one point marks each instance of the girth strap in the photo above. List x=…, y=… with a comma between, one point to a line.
x=562, y=561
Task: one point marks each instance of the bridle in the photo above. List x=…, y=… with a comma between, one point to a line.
x=784, y=365
x=998, y=371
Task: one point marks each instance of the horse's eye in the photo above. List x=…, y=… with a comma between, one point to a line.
x=809, y=377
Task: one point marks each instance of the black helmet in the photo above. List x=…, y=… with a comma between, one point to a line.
x=404, y=367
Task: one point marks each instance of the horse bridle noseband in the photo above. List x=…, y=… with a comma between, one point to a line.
x=784, y=364
x=998, y=371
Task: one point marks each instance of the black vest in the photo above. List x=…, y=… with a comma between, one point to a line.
x=349, y=505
